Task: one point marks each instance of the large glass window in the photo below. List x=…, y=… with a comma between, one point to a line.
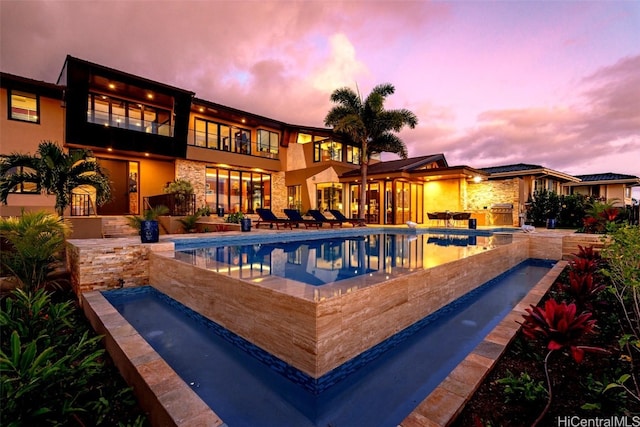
x=326, y=150
x=24, y=106
x=222, y=137
x=268, y=142
x=353, y=154
x=329, y=196
x=108, y=111
x=237, y=191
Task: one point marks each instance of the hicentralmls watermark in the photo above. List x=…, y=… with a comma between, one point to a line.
x=616, y=421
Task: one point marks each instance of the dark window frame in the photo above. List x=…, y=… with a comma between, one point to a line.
x=10, y=93
x=36, y=190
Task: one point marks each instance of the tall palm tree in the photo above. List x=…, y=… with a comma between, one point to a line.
x=54, y=171
x=368, y=125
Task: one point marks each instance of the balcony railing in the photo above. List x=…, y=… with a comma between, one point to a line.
x=251, y=148
x=123, y=122
x=178, y=204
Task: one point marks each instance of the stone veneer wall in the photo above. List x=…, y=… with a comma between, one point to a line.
x=196, y=174
x=98, y=264
x=486, y=193
x=318, y=336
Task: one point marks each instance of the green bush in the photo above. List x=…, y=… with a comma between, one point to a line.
x=234, y=218
x=572, y=210
x=53, y=370
x=37, y=240
x=543, y=206
x=522, y=388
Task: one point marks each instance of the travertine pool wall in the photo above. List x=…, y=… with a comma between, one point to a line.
x=317, y=336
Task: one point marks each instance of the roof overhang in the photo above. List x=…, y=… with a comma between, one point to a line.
x=537, y=173
x=627, y=182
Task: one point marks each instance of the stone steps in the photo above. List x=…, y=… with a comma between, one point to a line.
x=117, y=226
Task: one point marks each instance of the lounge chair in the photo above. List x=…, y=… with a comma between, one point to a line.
x=268, y=217
x=296, y=218
x=432, y=217
x=461, y=217
x=356, y=222
x=318, y=216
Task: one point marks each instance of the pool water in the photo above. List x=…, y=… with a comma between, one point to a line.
x=247, y=387
x=328, y=260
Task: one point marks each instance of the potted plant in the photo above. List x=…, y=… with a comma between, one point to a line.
x=147, y=224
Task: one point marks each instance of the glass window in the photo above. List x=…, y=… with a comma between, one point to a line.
x=237, y=191
x=225, y=138
x=24, y=106
x=134, y=114
x=150, y=123
x=268, y=141
x=304, y=138
x=242, y=141
x=108, y=111
x=200, y=133
x=294, y=197
x=353, y=154
x=326, y=150
x=24, y=187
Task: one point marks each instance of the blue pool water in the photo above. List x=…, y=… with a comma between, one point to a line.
x=247, y=387
x=327, y=260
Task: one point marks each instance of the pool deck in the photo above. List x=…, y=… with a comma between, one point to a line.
x=170, y=401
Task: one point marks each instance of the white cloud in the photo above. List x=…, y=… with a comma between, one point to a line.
x=342, y=68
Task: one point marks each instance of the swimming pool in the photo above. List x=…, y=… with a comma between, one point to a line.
x=393, y=379
x=324, y=260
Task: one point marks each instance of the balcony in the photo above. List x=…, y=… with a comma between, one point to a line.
x=123, y=122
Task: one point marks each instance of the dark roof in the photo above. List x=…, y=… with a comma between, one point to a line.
x=401, y=165
x=12, y=81
x=606, y=177
x=511, y=168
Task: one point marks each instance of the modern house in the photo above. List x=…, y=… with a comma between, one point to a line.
x=146, y=133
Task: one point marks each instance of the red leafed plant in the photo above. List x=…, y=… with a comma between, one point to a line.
x=561, y=326
x=587, y=252
x=583, y=287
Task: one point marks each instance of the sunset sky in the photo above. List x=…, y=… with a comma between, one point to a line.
x=492, y=83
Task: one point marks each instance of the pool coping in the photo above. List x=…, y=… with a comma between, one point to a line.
x=169, y=401
x=441, y=407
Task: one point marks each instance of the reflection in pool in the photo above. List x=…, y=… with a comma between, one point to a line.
x=322, y=261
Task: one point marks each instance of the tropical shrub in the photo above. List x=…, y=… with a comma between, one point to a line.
x=148, y=215
x=622, y=254
x=234, y=218
x=561, y=327
x=52, y=371
x=37, y=240
x=178, y=187
x=522, y=388
x=572, y=210
x=543, y=205
x=190, y=222
x=602, y=217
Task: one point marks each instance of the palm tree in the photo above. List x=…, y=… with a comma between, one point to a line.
x=368, y=125
x=53, y=170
